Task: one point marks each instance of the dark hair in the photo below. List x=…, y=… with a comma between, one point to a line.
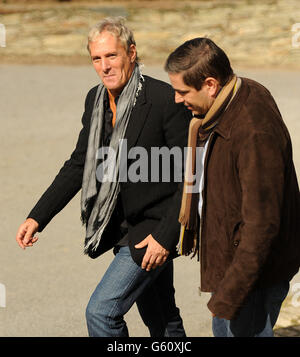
x=198, y=59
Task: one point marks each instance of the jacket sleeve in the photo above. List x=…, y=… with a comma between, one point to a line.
x=175, y=126
x=261, y=170
x=68, y=181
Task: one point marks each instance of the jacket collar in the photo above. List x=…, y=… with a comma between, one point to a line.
x=230, y=114
x=138, y=116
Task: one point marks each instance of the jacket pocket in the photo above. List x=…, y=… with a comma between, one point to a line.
x=235, y=236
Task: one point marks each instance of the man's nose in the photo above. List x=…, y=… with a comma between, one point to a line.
x=178, y=98
x=105, y=64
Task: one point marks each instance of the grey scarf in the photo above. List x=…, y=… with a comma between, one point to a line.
x=97, y=207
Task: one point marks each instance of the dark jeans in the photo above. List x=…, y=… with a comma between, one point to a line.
x=125, y=283
x=257, y=317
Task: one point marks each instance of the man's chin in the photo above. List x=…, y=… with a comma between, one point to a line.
x=195, y=113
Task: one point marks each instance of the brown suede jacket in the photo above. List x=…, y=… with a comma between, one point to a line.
x=250, y=233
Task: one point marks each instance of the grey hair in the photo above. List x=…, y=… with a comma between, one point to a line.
x=116, y=26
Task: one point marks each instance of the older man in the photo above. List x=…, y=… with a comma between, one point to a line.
x=138, y=218
x=242, y=214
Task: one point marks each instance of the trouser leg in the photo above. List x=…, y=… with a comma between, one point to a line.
x=120, y=287
x=159, y=300
x=257, y=317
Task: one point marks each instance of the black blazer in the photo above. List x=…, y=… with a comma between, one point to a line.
x=149, y=207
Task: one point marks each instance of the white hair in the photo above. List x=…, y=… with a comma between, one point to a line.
x=116, y=26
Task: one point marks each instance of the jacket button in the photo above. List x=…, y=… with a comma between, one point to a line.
x=236, y=243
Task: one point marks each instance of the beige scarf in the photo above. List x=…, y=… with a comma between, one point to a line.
x=199, y=132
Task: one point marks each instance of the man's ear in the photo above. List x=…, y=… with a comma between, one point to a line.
x=212, y=86
x=132, y=53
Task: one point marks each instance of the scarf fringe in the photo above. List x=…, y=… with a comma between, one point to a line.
x=188, y=242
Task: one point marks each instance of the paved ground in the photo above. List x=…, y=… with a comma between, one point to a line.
x=48, y=286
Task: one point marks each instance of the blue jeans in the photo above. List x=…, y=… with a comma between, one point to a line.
x=125, y=283
x=257, y=317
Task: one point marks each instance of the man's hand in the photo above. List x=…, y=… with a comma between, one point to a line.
x=155, y=254
x=25, y=235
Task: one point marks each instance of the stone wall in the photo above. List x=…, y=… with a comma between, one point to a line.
x=253, y=33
